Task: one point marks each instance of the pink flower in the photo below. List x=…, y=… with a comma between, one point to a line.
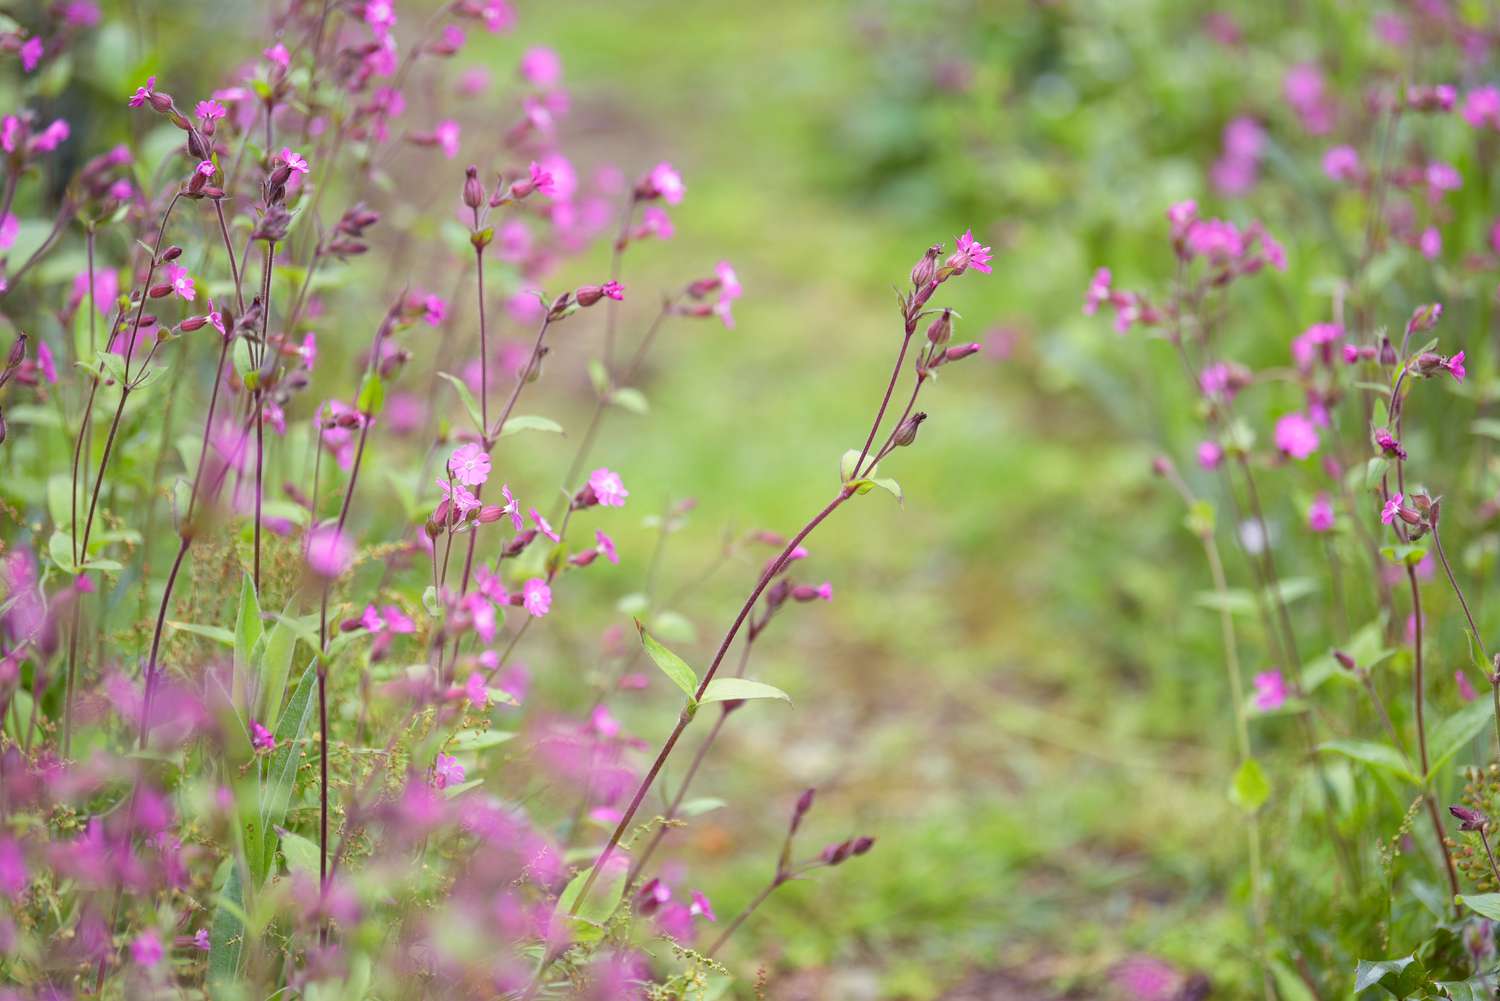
x=146, y=949
x=278, y=55
x=446, y=771
x=603, y=722
x=10, y=228
x=31, y=53
x=181, y=282
x=51, y=137
x=1270, y=691
x=476, y=691
x=498, y=15
x=541, y=66
x=1482, y=107
x=701, y=908
x=469, y=464
x=461, y=500
x=665, y=183
x=512, y=507
x=1443, y=177
x=542, y=181
x=206, y=168
x=380, y=15
x=1455, y=366
x=434, y=310
x=45, y=363
x=1320, y=514
x=536, y=597
x=447, y=134
x=292, y=160
x=1392, y=509
x=1098, y=292
x=1210, y=454
x=969, y=253
x=260, y=738
x=1305, y=92
x=724, y=310
x=729, y=282
x=655, y=222
x=201, y=940
x=606, y=546
x=608, y=487
x=143, y=94
x=1296, y=436
x=329, y=552
x=308, y=351
x=1465, y=686
x=543, y=527
x=1341, y=163
x=10, y=138
x=1430, y=243
x=210, y=110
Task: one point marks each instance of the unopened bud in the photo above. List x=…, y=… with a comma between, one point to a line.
x=192, y=323
x=584, y=558
x=862, y=844
x=907, y=432
x=925, y=270
x=17, y=352
x=804, y=803
x=159, y=291
x=172, y=253
x=1345, y=661
x=959, y=352
x=473, y=190
x=941, y=328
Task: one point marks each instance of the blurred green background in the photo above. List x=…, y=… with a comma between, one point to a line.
x=1008, y=691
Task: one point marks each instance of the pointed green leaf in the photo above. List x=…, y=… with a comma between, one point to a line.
x=467, y=399
x=673, y=666
x=227, y=936
x=729, y=689
x=1376, y=755
x=1250, y=788
x=529, y=422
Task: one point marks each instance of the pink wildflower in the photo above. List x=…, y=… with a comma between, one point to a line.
x=1320, y=514
x=329, y=551
x=536, y=597
x=512, y=507
x=665, y=183
x=31, y=53
x=476, y=691
x=606, y=546
x=181, y=282
x=968, y=253
x=260, y=738
x=210, y=110
x=1098, y=292
x=1341, y=163
x=608, y=487
x=1392, y=509
x=1455, y=366
x=146, y=949
x=292, y=160
x=1270, y=691
x=1465, y=686
x=469, y=464
x=541, y=66
x=1296, y=436
x=462, y=500
x=543, y=526
x=1210, y=454
x=143, y=94
x=701, y=907
x=278, y=55
x=447, y=135
x=446, y=771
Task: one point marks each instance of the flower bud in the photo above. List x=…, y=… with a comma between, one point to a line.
x=925, y=270
x=17, y=352
x=517, y=545
x=473, y=190
x=907, y=432
x=584, y=558
x=804, y=803
x=862, y=844
x=1345, y=661
x=159, y=291
x=836, y=854
x=941, y=328
x=959, y=352
x=192, y=323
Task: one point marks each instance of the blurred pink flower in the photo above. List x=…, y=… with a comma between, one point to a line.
x=1296, y=436
x=1270, y=691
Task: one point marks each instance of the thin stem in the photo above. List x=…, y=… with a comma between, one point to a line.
x=1417, y=688
x=685, y=718
x=1463, y=602
x=886, y=400
x=741, y=917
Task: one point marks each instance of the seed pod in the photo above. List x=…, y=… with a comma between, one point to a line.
x=907, y=432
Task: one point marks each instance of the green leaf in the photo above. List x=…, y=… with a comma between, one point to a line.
x=1454, y=733
x=1375, y=471
x=630, y=399
x=275, y=665
x=700, y=806
x=1408, y=554
x=60, y=548
x=1484, y=904
x=891, y=487
x=301, y=854
x=477, y=740
x=227, y=935
x=467, y=399
x=673, y=666
x=728, y=689
x=1473, y=989
x=216, y=633
x=1489, y=427
x=1401, y=977
x=282, y=764
x=599, y=377
x=527, y=422
x=846, y=464
x=1376, y=755
x=604, y=896
x=1250, y=788
x=371, y=395
x=247, y=629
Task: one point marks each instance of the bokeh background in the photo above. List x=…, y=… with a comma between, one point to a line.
x=1008, y=689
